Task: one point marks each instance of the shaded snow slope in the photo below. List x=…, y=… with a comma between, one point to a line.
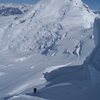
x=95, y=56
x=14, y=9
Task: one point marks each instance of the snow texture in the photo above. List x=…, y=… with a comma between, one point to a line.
x=53, y=47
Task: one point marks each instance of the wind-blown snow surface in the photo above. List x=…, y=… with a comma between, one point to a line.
x=55, y=34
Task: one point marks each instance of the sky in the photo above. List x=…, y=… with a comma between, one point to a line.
x=93, y=4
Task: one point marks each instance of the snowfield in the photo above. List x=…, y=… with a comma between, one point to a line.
x=53, y=47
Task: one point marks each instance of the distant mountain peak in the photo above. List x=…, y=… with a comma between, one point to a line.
x=13, y=9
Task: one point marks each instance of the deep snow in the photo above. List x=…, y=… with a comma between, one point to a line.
x=49, y=48
x=75, y=82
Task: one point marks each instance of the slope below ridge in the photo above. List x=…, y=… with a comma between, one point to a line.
x=53, y=27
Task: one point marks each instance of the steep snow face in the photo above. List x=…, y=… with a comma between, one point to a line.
x=52, y=27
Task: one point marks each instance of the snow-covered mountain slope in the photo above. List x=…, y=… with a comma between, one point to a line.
x=52, y=27
x=73, y=82
x=55, y=34
x=84, y=79
x=13, y=9
x=11, y=12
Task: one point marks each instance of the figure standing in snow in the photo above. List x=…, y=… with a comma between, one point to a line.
x=35, y=90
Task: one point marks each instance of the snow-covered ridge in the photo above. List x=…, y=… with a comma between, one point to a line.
x=14, y=9
x=97, y=13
